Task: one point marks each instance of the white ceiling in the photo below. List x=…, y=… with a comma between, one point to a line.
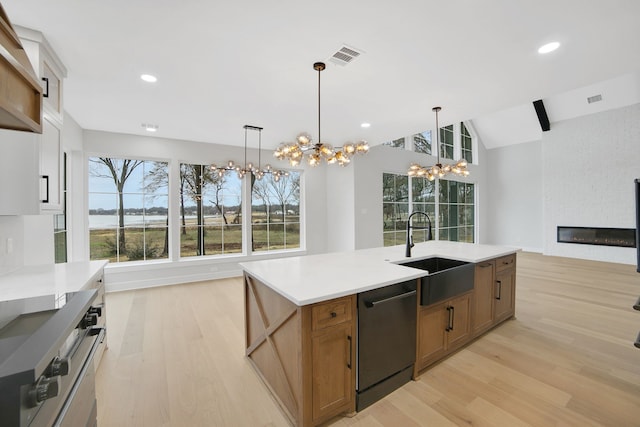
x=222, y=65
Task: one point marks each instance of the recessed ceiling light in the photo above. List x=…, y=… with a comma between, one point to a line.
x=365, y=125
x=549, y=47
x=149, y=78
x=150, y=127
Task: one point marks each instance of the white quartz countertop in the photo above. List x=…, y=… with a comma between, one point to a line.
x=49, y=279
x=314, y=278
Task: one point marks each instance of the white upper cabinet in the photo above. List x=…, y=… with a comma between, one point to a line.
x=18, y=172
x=51, y=73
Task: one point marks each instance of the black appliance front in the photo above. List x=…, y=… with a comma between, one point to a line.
x=637, y=184
x=386, y=340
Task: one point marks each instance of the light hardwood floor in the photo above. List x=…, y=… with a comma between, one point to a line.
x=176, y=358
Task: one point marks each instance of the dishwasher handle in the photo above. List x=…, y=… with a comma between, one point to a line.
x=371, y=304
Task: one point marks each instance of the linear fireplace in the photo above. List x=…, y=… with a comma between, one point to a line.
x=622, y=237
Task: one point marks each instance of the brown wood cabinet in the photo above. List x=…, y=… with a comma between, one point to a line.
x=305, y=355
x=494, y=293
x=483, y=302
x=20, y=91
x=442, y=328
x=446, y=326
x=331, y=362
x=505, y=290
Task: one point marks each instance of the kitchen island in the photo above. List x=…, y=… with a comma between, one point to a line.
x=301, y=317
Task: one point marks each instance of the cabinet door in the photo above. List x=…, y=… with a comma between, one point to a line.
x=51, y=91
x=504, y=298
x=432, y=325
x=482, y=317
x=332, y=353
x=18, y=173
x=459, y=326
x=50, y=170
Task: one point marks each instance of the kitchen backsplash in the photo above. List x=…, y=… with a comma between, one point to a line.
x=11, y=243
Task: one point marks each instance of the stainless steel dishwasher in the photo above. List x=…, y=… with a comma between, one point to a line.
x=386, y=340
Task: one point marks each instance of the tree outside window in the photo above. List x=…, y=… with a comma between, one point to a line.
x=210, y=212
x=446, y=142
x=128, y=212
x=456, y=217
x=422, y=142
x=275, y=213
x=396, y=143
x=60, y=220
x=395, y=208
x=455, y=202
x=466, y=143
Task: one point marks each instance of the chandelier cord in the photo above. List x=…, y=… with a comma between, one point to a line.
x=260, y=149
x=437, y=136
x=245, y=147
x=319, y=139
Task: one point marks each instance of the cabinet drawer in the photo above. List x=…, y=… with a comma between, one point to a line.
x=327, y=314
x=506, y=262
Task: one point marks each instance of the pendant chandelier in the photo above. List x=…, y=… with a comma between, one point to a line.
x=438, y=170
x=250, y=168
x=295, y=152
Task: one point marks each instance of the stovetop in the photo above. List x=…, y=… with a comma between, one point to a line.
x=33, y=329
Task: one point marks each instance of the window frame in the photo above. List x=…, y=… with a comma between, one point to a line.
x=438, y=208
x=146, y=228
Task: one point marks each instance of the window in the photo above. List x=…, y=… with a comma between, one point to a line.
x=449, y=204
x=423, y=199
x=396, y=143
x=395, y=208
x=466, y=143
x=422, y=142
x=275, y=213
x=128, y=209
x=60, y=220
x=446, y=142
x=210, y=212
x=456, y=215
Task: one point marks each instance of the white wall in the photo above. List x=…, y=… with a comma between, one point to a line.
x=580, y=174
x=514, y=196
x=11, y=254
x=589, y=164
x=340, y=193
x=135, y=275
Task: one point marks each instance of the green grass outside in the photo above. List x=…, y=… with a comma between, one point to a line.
x=149, y=243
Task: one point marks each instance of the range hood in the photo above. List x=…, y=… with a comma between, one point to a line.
x=20, y=90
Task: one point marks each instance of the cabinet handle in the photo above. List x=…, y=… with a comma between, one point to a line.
x=333, y=314
x=370, y=304
x=46, y=178
x=450, y=320
x=499, y=289
x=45, y=94
x=350, y=352
x=488, y=264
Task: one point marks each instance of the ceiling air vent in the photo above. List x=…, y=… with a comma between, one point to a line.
x=345, y=55
x=595, y=98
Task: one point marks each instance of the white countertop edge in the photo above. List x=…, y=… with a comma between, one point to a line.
x=412, y=273
x=49, y=279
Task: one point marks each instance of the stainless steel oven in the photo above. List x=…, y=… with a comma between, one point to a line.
x=47, y=345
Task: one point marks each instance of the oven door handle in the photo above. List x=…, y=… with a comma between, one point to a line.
x=370, y=304
x=88, y=364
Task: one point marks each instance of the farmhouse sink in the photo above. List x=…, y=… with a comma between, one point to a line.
x=444, y=278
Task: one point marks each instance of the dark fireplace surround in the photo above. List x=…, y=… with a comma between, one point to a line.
x=621, y=237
